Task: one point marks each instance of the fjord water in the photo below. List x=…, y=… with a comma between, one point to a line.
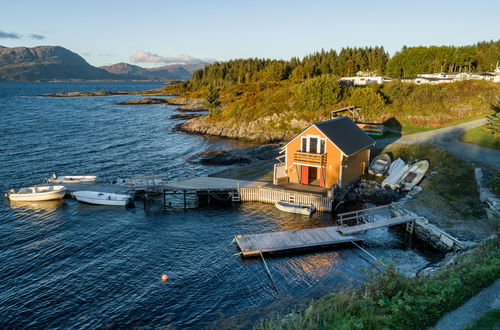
x=69, y=265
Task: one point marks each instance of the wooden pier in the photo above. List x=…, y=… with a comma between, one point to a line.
x=204, y=187
x=281, y=241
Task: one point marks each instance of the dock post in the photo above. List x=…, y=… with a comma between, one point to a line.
x=184, y=193
x=208, y=196
x=145, y=202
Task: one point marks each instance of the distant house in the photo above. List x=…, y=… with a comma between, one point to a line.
x=427, y=80
x=327, y=153
x=362, y=80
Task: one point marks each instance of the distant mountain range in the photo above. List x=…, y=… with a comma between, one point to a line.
x=57, y=63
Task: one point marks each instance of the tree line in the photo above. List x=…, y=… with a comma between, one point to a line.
x=480, y=57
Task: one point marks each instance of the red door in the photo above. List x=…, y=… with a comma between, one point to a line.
x=304, y=174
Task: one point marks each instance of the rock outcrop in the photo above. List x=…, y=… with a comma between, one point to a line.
x=257, y=130
x=144, y=101
x=185, y=116
x=188, y=104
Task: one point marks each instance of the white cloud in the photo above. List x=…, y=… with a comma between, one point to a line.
x=147, y=57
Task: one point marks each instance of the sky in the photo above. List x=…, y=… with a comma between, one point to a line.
x=154, y=33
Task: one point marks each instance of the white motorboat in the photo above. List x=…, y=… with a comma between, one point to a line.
x=102, y=198
x=396, y=171
x=71, y=178
x=414, y=174
x=295, y=208
x=379, y=165
x=37, y=193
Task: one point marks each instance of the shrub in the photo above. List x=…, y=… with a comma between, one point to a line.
x=319, y=92
x=371, y=102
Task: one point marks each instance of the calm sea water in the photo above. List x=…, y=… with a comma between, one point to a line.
x=68, y=265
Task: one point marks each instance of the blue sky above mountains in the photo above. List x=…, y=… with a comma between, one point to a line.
x=153, y=33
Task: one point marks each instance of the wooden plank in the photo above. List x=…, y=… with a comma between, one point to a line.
x=254, y=245
x=372, y=225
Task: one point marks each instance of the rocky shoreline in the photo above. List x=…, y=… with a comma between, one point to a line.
x=252, y=131
x=144, y=101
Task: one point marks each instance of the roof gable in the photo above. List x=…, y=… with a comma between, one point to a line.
x=345, y=134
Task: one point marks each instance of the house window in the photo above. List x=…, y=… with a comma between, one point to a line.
x=304, y=145
x=313, y=145
x=322, y=146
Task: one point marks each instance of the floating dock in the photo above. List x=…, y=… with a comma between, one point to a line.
x=376, y=224
x=254, y=245
x=281, y=241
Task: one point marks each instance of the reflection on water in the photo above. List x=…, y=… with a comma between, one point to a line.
x=73, y=265
x=38, y=208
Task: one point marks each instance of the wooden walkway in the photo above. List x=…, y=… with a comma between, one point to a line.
x=376, y=224
x=254, y=245
x=213, y=183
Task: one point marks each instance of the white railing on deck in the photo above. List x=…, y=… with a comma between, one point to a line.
x=270, y=195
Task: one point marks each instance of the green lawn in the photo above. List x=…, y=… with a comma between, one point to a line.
x=481, y=136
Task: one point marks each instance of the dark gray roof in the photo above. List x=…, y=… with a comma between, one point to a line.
x=345, y=134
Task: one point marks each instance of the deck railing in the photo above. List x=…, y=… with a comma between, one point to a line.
x=308, y=158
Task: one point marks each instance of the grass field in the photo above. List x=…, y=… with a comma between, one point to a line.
x=481, y=136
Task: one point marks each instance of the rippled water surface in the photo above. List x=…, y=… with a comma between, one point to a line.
x=65, y=264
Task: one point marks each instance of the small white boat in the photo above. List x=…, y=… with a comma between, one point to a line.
x=36, y=193
x=395, y=174
x=295, y=208
x=396, y=166
x=379, y=165
x=102, y=198
x=71, y=178
x=414, y=174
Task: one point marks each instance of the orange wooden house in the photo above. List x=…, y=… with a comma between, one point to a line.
x=327, y=153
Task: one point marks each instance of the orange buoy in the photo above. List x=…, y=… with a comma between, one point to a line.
x=164, y=278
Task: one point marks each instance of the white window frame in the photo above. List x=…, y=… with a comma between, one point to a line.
x=308, y=144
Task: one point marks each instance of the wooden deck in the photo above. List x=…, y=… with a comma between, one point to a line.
x=376, y=224
x=253, y=245
x=213, y=183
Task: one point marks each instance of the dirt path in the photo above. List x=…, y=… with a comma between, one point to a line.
x=447, y=138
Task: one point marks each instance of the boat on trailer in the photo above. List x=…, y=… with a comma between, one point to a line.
x=379, y=165
x=102, y=198
x=36, y=193
x=305, y=209
x=71, y=178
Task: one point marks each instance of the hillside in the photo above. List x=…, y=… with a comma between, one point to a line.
x=275, y=111
x=166, y=72
x=46, y=63
x=271, y=100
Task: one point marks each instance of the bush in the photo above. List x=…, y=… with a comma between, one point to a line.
x=397, y=92
x=371, y=102
x=319, y=92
